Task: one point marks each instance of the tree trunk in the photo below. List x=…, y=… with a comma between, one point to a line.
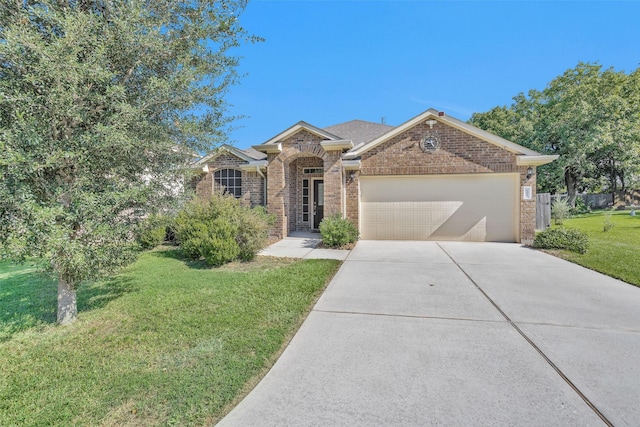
x=614, y=181
x=570, y=180
x=67, y=307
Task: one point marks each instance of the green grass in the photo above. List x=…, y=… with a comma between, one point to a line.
x=616, y=252
x=164, y=343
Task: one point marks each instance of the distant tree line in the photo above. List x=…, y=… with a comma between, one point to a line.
x=590, y=116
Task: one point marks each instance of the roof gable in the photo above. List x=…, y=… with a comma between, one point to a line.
x=246, y=155
x=301, y=125
x=433, y=114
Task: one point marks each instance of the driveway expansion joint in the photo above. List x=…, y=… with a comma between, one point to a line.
x=530, y=341
x=408, y=316
x=582, y=327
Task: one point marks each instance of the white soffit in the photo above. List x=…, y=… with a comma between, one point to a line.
x=351, y=165
x=341, y=144
x=255, y=165
x=535, y=160
x=269, y=148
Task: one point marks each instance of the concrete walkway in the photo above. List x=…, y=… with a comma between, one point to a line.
x=302, y=244
x=463, y=334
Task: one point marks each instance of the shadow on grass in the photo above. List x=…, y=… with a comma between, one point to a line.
x=28, y=298
x=178, y=255
x=97, y=294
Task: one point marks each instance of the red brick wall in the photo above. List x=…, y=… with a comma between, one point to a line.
x=285, y=172
x=458, y=153
x=352, y=197
x=252, y=183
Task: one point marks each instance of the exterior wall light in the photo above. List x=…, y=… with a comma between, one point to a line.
x=529, y=172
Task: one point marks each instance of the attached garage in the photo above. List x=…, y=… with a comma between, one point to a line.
x=470, y=207
x=433, y=177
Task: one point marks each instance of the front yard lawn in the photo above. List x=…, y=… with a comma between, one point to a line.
x=164, y=343
x=616, y=252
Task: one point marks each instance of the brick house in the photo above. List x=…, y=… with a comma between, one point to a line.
x=431, y=178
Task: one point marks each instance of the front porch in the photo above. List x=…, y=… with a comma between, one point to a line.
x=305, y=183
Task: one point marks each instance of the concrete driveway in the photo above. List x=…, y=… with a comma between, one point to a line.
x=452, y=333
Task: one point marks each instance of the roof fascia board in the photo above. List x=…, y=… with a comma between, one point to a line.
x=295, y=128
x=255, y=165
x=269, y=148
x=341, y=144
x=351, y=165
x=538, y=160
x=451, y=121
x=229, y=149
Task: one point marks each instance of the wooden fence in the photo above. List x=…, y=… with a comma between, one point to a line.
x=605, y=200
x=543, y=211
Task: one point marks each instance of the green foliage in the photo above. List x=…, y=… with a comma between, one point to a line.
x=163, y=343
x=221, y=230
x=253, y=229
x=588, y=116
x=615, y=252
x=152, y=231
x=337, y=231
x=608, y=224
x=562, y=238
x=580, y=207
x=97, y=120
x=560, y=210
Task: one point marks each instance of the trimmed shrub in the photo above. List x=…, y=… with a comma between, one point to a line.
x=153, y=231
x=337, y=231
x=562, y=238
x=221, y=230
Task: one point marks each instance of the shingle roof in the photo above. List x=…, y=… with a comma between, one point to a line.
x=359, y=131
x=255, y=153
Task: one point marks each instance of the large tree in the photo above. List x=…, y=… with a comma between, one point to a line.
x=588, y=116
x=101, y=104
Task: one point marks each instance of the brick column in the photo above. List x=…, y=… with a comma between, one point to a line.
x=352, y=197
x=527, y=208
x=276, y=194
x=332, y=182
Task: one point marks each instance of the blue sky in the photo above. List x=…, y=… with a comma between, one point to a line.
x=328, y=62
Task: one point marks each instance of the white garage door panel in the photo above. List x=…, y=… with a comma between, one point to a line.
x=443, y=207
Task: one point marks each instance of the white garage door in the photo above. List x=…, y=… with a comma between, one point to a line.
x=482, y=207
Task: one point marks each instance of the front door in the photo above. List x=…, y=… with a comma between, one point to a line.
x=318, y=202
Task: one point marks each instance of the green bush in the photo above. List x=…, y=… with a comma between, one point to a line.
x=253, y=228
x=608, y=223
x=153, y=231
x=337, y=231
x=560, y=210
x=562, y=238
x=221, y=230
x=580, y=208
